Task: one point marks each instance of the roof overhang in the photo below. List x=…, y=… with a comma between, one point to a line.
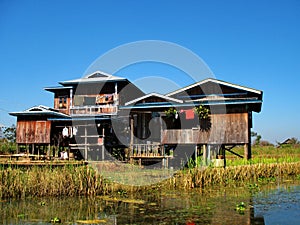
x=95, y=77
x=192, y=104
x=40, y=111
x=220, y=82
x=168, y=99
x=54, y=89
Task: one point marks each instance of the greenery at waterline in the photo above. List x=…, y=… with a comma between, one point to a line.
x=84, y=180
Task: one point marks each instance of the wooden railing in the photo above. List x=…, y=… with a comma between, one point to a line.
x=94, y=110
x=196, y=136
x=146, y=150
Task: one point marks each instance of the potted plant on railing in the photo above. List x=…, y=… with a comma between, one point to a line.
x=172, y=114
x=204, y=117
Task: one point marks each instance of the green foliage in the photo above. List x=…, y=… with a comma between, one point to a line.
x=171, y=112
x=8, y=142
x=55, y=220
x=202, y=112
x=240, y=208
x=10, y=133
x=253, y=188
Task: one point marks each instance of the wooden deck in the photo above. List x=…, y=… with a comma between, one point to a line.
x=24, y=159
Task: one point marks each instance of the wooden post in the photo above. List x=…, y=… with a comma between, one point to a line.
x=247, y=151
x=38, y=152
x=131, y=136
x=103, y=135
x=85, y=143
x=48, y=151
x=196, y=156
x=247, y=146
x=204, y=154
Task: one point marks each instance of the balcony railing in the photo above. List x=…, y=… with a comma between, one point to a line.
x=94, y=110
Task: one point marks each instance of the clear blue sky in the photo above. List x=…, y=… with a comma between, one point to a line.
x=251, y=43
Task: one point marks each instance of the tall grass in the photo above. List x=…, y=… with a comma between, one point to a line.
x=236, y=175
x=48, y=181
x=73, y=181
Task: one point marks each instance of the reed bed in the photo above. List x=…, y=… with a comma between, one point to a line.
x=74, y=181
x=237, y=175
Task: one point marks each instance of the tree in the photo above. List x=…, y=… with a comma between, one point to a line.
x=294, y=141
x=9, y=133
x=258, y=137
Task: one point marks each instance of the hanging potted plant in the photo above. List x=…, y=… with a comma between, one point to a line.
x=204, y=118
x=171, y=113
x=202, y=112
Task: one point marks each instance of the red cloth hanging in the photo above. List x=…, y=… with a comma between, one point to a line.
x=189, y=114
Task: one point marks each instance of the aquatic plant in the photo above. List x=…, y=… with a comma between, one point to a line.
x=240, y=208
x=55, y=220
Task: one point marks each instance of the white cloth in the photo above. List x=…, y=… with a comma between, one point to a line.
x=65, y=132
x=75, y=131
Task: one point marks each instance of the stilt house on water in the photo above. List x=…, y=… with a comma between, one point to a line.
x=104, y=117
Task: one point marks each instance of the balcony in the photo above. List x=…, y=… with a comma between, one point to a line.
x=94, y=110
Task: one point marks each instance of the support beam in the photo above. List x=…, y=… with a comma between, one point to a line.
x=131, y=136
x=196, y=155
x=247, y=151
x=205, y=154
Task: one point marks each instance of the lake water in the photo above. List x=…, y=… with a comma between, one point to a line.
x=273, y=204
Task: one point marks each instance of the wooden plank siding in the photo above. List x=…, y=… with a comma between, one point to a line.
x=225, y=129
x=33, y=132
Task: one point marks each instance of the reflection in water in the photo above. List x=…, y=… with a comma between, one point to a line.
x=174, y=207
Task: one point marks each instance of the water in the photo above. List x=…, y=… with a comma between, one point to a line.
x=275, y=204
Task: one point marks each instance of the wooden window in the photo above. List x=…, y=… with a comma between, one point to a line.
x=62, y=102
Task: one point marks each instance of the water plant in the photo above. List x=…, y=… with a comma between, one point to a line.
x=240, y=208
x=55, y=220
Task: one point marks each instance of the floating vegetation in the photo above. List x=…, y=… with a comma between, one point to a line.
x=91, y=221
x=55, y=220
x=240, y=208
x=126, y=200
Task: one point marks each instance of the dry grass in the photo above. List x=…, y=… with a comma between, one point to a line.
x=84, y=180
x=237, y=175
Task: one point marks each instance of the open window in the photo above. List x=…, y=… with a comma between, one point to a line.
x=62, y=102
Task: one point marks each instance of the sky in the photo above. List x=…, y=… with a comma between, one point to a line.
x=250, y=43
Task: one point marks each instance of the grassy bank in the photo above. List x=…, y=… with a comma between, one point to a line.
x=73, y=181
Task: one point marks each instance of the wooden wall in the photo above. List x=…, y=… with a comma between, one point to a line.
x=224, y=129
x=33, y=132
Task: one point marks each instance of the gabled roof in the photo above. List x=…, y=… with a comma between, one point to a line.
x=168, y=99
x=216, y=82
x=95, y=77
x=54, y=89
x=39, y=110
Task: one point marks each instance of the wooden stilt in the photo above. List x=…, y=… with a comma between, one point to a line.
x=131, y=137
x=196, y=156
x=247, y=151
x=85, y=143
x=204, y=154
x=103, y=149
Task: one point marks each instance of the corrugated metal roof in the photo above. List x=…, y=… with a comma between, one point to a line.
x=96, y=77
x=53, y=89
x=39, y=110
x=190, y=104
x=169, y=99
x=217, y=82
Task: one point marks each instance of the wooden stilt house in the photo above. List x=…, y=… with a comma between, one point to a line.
x=102, y=117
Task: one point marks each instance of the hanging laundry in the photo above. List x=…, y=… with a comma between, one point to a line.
x=189, y=114
x=75, y=131
x=65, y=132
